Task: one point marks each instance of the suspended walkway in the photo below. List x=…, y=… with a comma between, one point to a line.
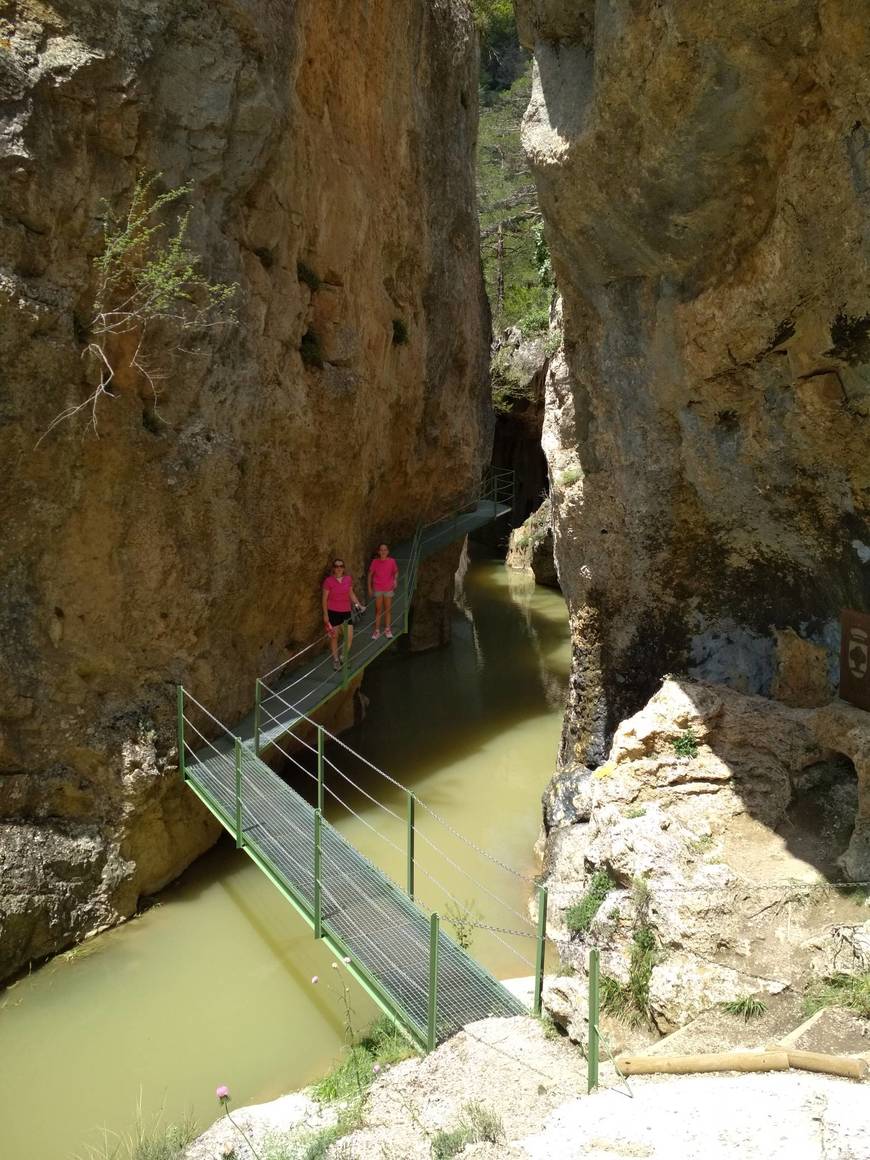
x=387, y=936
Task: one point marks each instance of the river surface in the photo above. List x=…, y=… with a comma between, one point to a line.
x=213, y=984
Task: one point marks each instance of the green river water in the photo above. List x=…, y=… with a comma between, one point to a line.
x=213, y=984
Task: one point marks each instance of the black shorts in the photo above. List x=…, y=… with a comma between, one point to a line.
x=337, y=618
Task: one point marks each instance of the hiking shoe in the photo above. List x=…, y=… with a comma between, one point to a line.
x=376, y=634
x=336, y=663
x=389, y=633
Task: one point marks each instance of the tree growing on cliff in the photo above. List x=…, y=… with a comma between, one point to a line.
x=148, y=279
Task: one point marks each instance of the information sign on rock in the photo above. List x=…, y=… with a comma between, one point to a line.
x=855, y=658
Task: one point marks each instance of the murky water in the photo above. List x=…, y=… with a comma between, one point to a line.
x=214, y=984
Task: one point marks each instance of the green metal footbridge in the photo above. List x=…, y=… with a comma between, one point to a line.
x=388, y=939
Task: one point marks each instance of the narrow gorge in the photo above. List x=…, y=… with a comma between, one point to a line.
x=282, y=282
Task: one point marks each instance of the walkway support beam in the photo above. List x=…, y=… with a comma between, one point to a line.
x=318, y=896
x=410, y=799
x=257, y=694
x=541, y=950
x=240, y=841
x=432, y=1030
x=320, y=769
x=594, y=1010
x=181, y=763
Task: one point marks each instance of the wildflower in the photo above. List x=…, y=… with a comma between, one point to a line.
x=222, y=1093
x=315, y=978
x=376, y=1069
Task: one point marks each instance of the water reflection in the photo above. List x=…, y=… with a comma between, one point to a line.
x=214, y=984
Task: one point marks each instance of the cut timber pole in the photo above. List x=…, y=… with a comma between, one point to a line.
x=432, y=1032
x=719, y=1061
x=594, y=1012
x=541, y=948
x=181, y=764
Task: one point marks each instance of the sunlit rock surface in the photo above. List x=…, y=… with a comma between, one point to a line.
x=704, y=174
x=331, y=154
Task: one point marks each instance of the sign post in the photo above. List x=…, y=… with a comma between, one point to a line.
x=855, y=658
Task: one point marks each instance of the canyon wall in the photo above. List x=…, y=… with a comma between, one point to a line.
x=704, y=173
x=330, y=149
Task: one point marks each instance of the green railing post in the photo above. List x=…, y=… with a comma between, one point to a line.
x=181, y=762
x=318, y=899
x=433, y=983
x=410, y=844
x=541, y=949
x=238, y=754
x=320, y=768
x=257, y=716
x=594, y=1006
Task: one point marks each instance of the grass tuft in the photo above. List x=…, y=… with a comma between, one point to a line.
x=578, y=918
x=851, y=991
x=477, y=1125
x=686, y=745
x=382, y=1045
x=748, y=1007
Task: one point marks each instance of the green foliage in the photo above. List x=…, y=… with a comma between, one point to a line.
x=463, y=917
x=305, y=274
x=149, y=271
x=635, y=812
x=500, y=52
x=686, y=745
x=578, y=918
x=748, y=1007
x=630, y=1001
x=535, y=321
x=155, y=1142
x=508, y=211
x=310, y=350
x=400, y=332
x=382, y=1045
x=569, y=476
x=477, y=1125
x=840, y=990
x=317, y=1146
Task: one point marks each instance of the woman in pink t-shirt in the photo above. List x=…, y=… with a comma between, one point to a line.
x=338, y=597
x=383, y=574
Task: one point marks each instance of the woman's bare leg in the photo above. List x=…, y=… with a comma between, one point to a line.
x=388, y=614
x=349, y=628
x=379, y=608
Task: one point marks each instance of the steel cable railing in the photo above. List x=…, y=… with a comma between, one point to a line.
x=465, y=919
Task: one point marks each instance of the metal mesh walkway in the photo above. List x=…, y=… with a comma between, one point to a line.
x=397, y=951
x=368, y=916
x=311, y=683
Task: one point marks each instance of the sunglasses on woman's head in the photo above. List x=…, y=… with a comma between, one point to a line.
x=338, y=565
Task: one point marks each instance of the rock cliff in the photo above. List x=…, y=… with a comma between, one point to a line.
x=330, y=150
x=704, y=173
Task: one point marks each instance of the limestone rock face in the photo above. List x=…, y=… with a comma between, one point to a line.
x=704, y=175
x=717, y=819
x=530, y=547
x=330, y=150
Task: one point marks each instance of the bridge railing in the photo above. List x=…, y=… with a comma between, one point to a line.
x=440, y=868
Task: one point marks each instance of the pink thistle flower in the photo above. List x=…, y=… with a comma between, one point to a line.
x=222, y=1093
x=376, y=1068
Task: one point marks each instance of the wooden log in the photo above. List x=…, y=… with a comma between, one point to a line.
x=829, y=1064
x=686, y=1064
